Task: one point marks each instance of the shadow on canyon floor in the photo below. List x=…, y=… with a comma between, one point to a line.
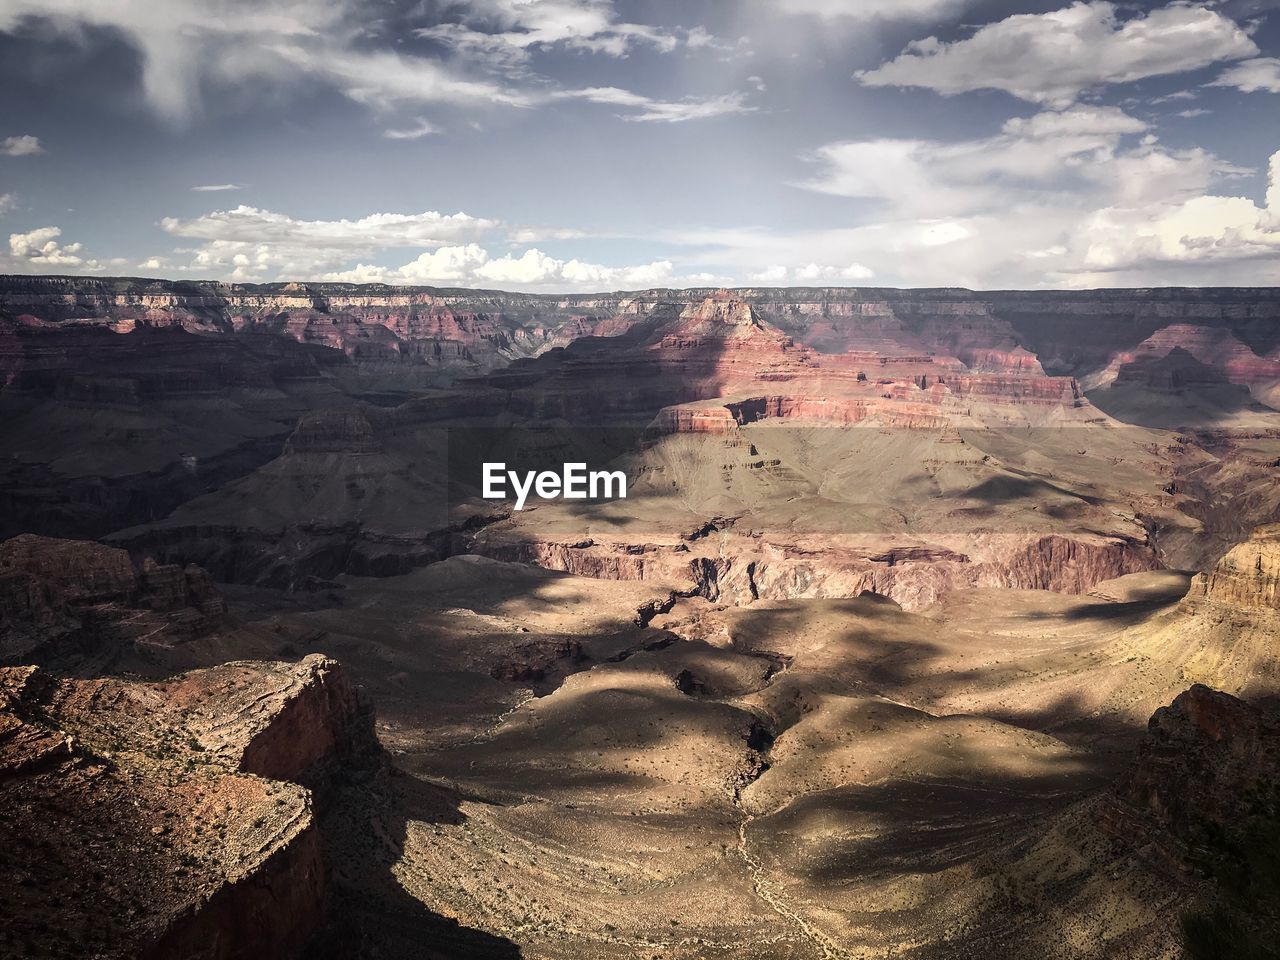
x=370, y=914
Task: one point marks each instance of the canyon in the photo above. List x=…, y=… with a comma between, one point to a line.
x=933, y=623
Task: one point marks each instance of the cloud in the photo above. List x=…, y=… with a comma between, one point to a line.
x=40, y=247
x=1054, y=57
x=1176, y=95
x=1200, y=230
x=1052, y=151
x=446, y=265
x=217, y=187
x=189, y=49
x=250, y=225
x=1078, y=197
x=385, y=79
x=811, y=274
x=649, y=110
x=540, y=234
x=1253, y=76
x=40, y=251
x=7, y=202
x=251, y=242
x=1076, y=121
x=507, y=30
x=419, y=130
x=471, y=265
x=198, y=49
x=701, y=39
x=21, y=146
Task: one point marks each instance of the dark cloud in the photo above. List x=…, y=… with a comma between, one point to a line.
x=583, y=143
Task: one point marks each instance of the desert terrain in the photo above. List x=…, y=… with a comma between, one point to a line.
x=934, y=623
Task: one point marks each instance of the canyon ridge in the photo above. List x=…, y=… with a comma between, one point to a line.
x=934, y=623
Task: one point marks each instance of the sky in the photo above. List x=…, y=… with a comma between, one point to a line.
x=596, y=145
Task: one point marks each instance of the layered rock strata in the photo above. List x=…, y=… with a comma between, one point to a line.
x=64, y=599
x=168, y=820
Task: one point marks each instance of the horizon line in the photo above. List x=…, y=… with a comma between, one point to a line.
x=639, y=291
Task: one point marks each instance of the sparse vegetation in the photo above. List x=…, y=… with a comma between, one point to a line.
x=1242, y=920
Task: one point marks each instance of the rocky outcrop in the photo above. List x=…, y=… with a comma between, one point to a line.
x=310, y=726
x=1073, y=332
x=443, y=333
x=75, y=598
x=1248, y=577
x=333, y=431
x=741, y=568
x=358, y=488
x=184, y=794
x=80, y=570
x=1204, y=759
x=1184, y=355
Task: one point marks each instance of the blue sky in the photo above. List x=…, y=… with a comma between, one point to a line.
x=592, y=145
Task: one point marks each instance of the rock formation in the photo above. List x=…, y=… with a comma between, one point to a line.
x=82, y=600
x=1248, y=577
x=1215, y=355
x=1204, y=760
x=162, y=820
x=898, y=581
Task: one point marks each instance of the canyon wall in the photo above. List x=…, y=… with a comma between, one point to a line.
x=1247, y=578
x=208, y=839
x=1070, y=332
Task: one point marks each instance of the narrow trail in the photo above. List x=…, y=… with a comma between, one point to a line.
x=496, y=724
x=760, y=883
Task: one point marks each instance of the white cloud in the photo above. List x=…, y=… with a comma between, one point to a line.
x=384, y=79
x=1176, y=95
x=419, y=130
x=540, y=234
x=811, y=274
x=506, y=30
x=534, y=268
x=239, y=260
x=7, y=202
x=216, y=187
x=21, y=146
x=40, y=247
x=1253, y=76
x=251, y=225
x=1054, y=57
x=649, y=110
x=471, y=265
x=249, y=244
x=1066, y=198
x=1053, y=150
x=1200, y=230
x=700, y=39
x=1075, y=121
x=189, y=48
x=252, y=243
x=192, y=49
x=771, y=276
x=360, y=273
x=446, y=265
